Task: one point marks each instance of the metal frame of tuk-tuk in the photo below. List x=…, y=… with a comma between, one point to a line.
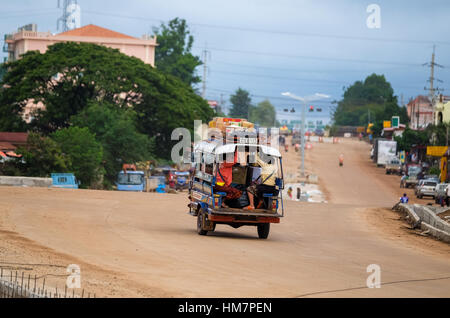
x=206, y=205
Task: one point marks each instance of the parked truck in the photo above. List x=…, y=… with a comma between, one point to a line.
x=129, y=179
x=411, y=177
x=386, y=150
x=394, y=166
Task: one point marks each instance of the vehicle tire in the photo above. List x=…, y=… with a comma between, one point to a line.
x=200, y=229
x=263, y=230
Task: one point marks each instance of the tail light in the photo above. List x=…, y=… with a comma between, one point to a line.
x=216, y=202
x=274, y=205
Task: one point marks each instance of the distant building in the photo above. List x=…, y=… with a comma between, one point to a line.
x=420, y=112
x=391, y=132
x=9, y=142
x=442, y=110
x=28, y=39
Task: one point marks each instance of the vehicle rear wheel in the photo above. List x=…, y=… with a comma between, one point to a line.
x=200, y=229
x=263, y=230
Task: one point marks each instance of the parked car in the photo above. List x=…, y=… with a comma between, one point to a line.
x=426, y=188
x=441, y=192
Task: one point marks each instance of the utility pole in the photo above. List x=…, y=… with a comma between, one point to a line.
x=432, y=90
x=205, y=71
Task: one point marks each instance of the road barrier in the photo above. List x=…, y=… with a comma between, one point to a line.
x=21, y=285
x=423, y=217
x=25, y=182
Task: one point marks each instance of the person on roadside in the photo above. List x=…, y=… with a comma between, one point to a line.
x=341, y=160
x=404, y=198
x=447, y=197
x=265, y=184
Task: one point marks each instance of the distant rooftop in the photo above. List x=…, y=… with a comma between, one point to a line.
x=92, y=30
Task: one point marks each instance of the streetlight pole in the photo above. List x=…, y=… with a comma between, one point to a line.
x=304, y=101
x=303, y=131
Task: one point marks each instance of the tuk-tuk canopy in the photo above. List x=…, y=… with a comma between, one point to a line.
x=219, y=149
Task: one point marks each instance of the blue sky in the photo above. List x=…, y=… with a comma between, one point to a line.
x=269, y=47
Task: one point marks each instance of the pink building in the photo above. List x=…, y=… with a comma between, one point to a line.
x=24, y=41
x=31, y=40
x=420, y=113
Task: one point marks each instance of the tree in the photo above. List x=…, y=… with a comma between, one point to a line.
x=69, y=76
x=41, y=157
x=173, y=55
x=2, y=71
x=84, y=151
x=241, y=104
x=115, y=129
x=374, y=97
x=263, y=114
x=411, y=137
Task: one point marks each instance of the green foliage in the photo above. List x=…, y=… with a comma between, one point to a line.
x=263, y=114
x=241, y=104
x=435, y=171
x=115, y=129
x=41, y=157
x=2, y=71
x=69, y=76
x=84, y=151
x=410, y=138
x=432, y=135
x=375, y=96
x=173, y=55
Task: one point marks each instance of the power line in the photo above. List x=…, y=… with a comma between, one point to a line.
x=278, y=32
x=288, y=69
x=27, y=15
x=280, y=77
x=229, y=93
x=312, y=57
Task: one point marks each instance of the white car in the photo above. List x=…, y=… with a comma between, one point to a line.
x=426, y=188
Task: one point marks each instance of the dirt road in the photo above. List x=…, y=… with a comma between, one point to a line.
x=139, y=244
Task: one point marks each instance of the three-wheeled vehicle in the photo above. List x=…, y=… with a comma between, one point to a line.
x=182, y=180
x=206, y=204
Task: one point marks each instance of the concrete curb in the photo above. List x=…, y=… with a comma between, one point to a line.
x=426, y=219
x=25, y=182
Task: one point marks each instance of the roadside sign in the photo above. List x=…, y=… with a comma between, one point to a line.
x=386, y=124
x=395, y=121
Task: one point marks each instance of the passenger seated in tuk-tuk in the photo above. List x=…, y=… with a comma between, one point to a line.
x=224, y=178
x=265, y=183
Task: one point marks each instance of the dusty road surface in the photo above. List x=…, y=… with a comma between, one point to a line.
x=145, y=245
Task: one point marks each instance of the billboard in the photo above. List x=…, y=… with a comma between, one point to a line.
x=386, y=150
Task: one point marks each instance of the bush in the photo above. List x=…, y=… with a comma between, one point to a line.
x=84, y=151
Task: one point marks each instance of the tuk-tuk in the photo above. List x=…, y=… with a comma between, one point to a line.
x=206, y=204
x=182, y=180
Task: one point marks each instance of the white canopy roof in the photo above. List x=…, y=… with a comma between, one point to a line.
x=218, y=149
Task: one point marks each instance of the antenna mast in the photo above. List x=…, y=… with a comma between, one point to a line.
x=71, y=15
